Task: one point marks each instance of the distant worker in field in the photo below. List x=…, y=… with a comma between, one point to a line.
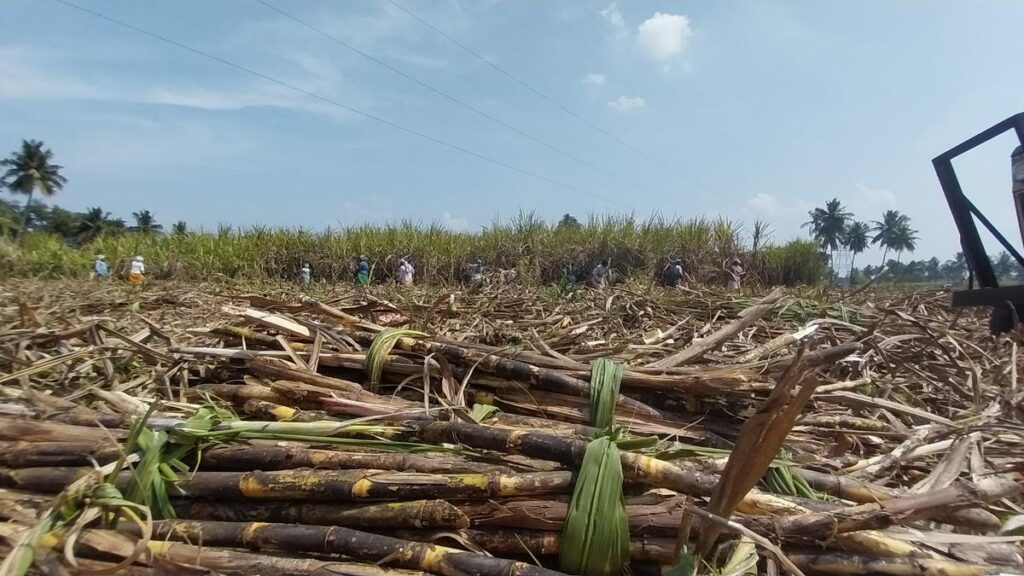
x=674, y=274
x=570, y=274
x=363, y=271
x=99, y=267
x=137, y=271
x=406, y=273
x=599, y=276
x=305, y=275
x=734, y=274
x=476, y=272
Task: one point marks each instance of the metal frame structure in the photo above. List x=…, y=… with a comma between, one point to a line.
x=964, y=214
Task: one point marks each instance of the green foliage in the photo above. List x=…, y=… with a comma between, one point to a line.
x=29, y=170
x=893, y=232
x=481, y=412
x=379, y=349
x=539, y=252
x=795, y=263
x=828, y=224
x=145, y=223
x=605, y=379
x=856, y=237
x=568, y=221
x=595, y=539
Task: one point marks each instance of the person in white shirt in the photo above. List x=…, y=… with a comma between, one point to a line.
x=405, y=272
x=476, y=272
x=305, y=275
x=734, y=274
x=137, y=270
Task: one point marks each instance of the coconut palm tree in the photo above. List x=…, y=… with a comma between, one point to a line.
x=145, y=223
x=887, y=230
x=856, y=240
x=95, y=223
x=904, y=238
x=30, y=170
x=179, y=228
x=828, y=227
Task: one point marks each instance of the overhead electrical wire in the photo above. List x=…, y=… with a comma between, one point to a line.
x=457, y=100
x=547, y=98
x=368, y=115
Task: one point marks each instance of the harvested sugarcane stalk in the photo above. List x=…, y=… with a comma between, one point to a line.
x=410, y=514
x=318, y=485
x=339, y=540
x=518, y=542
x=55, y=454
x=543, y=378
x=501, y=397
x=269, y=455
x=862, y=565
x=180, y=557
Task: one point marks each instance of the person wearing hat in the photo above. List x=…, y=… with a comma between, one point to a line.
x=305, y=275
x=137, y=271
x=405, y=272
x=733, y=274
x=99, y=267
x=363, y=271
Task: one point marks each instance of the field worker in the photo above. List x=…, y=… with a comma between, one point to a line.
x=305, y=275
x=734, y=273
x=363, y=271
x=99, y=267
x=674, y=277
x=476, y=272
x=137, y=271
x=405, y=272
x=571, y=274
x=599, y=277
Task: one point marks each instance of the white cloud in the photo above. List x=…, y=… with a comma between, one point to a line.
x=453, y=223
x=594, y=79
x=35, y=76
x=664, y=36
x=764, y=204
x=612, y=15
x=627, y=103
x=868, y=203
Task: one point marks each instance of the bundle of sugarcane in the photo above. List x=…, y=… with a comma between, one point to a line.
x=309, y=433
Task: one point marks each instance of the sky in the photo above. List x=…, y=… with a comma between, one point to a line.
x=739, y=109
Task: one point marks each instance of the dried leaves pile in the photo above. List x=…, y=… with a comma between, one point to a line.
x=795, y=431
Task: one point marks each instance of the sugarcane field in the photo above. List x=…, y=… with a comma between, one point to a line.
x=493, y=288
x=500, y=429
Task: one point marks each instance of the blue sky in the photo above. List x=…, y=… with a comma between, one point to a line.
x=740, y=109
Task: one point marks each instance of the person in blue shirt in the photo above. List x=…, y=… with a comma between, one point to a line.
x=99, y=267
x=363, y=271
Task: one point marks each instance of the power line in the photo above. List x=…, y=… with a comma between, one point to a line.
x=457, y=100
x=547, y=98
x=332, y=102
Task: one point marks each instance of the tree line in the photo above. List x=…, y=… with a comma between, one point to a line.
x=30, y=170
x=834, y=227
x=953, y=271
